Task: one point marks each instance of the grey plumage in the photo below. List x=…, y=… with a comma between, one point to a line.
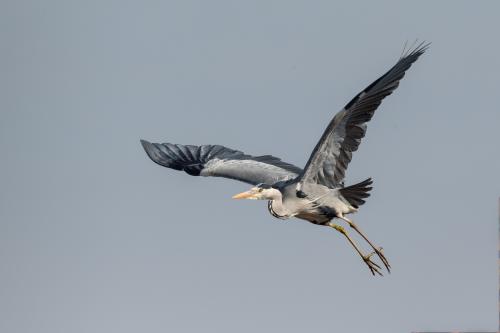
x=317, y=193
x=220, y=161
x=333, y=152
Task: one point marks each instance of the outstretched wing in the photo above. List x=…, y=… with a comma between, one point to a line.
x=333, y=152
x=219, y=161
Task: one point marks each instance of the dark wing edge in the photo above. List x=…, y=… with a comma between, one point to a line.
x=220, y=161
x=333, y=152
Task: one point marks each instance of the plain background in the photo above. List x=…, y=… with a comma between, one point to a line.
x=94, y=237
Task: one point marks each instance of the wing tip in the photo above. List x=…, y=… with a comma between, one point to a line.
x=144, y=143
x=150, y=150
x=416, y=49
x=148, y=147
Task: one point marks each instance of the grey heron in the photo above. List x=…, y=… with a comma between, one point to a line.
x=317, y=192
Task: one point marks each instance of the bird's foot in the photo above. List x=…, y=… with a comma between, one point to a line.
x=374, y=268
x=383, y=258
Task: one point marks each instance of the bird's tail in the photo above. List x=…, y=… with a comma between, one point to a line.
x=355, y=194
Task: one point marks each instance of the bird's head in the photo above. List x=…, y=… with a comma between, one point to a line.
x=260, y=192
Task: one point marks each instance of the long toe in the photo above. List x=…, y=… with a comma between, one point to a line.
x=384, y=260
x=374, y=268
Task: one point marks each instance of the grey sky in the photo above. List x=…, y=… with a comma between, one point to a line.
x=94, y=237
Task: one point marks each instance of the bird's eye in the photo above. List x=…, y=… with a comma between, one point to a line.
x=261, y=189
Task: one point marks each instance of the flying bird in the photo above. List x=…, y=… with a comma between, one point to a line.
x=316, y=193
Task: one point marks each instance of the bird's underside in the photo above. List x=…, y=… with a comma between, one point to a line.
x=317, y=192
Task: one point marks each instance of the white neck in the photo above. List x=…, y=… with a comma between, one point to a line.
x=276, y=207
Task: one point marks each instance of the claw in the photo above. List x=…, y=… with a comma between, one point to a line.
x=374, y=268
x=383, y=258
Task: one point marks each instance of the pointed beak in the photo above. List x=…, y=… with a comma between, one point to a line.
x=245, y=195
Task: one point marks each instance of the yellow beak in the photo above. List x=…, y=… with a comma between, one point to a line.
x=244, y=195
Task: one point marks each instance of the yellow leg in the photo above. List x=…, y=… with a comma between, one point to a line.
x=377, y=250
x=374, y=268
